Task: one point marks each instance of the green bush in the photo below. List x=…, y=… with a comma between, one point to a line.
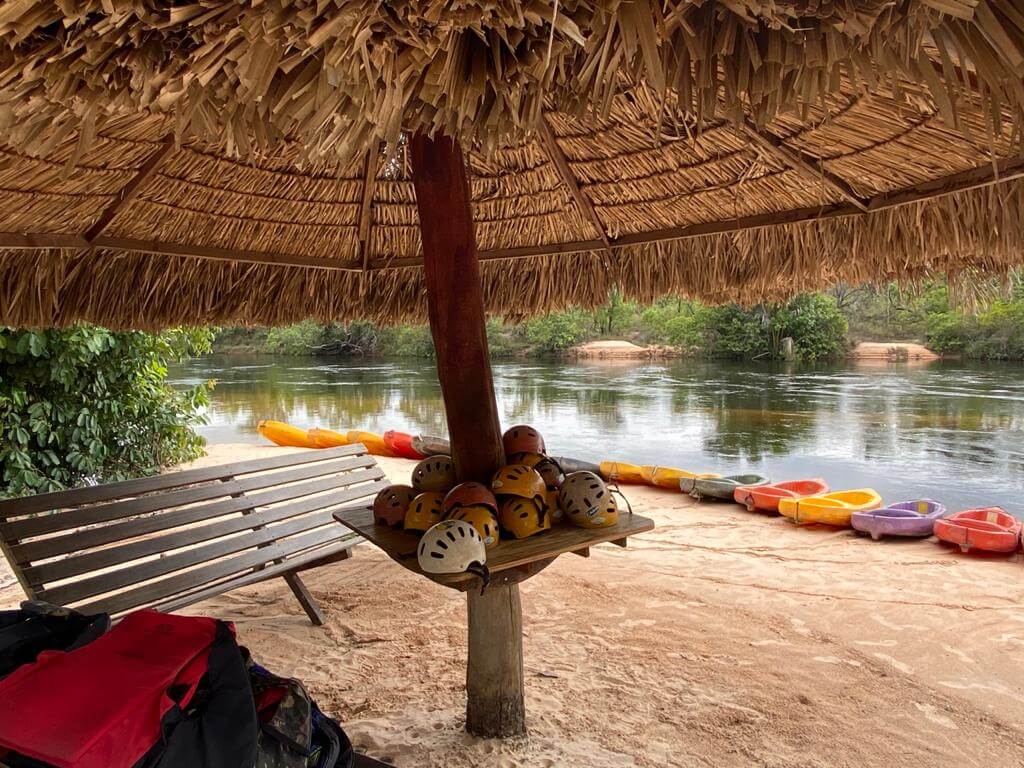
x=88, y=405
x=815, y=324
x=558, y=331
x=732, y=332
x=295, y=339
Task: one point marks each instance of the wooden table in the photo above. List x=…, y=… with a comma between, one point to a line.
x=511, y=561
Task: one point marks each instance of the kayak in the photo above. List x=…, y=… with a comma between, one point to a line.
x=429, y=445
x=719, y=487
x=400, y=444
x=575, y=465
x=374, y=443
x=668, y=477
x=831, y=508
x=990, y=528
x=620, y=472
x=908, y=518
x=284, y=434
x=765, y=498
x=326, y=438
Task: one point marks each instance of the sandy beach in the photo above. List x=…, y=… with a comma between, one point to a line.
x=722, y=638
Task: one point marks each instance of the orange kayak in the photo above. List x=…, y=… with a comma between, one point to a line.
x=990, y=528
x=284, y=434
x=326, y=438
x=620, y=472
x=374, y=443
x=669, y=477
x=765, y=498
x=400, y=444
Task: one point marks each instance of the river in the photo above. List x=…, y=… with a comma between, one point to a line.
x=953, y=432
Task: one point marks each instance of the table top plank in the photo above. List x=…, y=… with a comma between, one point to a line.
x=401, y=545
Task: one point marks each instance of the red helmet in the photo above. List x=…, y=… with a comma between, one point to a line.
x=469, y=495
x=522, y=438
x=391, y=503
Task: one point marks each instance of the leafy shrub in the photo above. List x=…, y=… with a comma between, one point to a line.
x=816, y=325
x=85, y=404
x=295, y=339
x=730, y=331
x=557, y=331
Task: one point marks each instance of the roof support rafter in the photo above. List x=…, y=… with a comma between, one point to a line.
x=557, y=157
x=800, y=161
x=366, y=205
x=973, y=178
x=128, y=192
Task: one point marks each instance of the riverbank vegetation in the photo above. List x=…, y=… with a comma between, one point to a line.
x=85, y=404
x=821, y=325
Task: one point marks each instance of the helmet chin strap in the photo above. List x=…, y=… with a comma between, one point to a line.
x=614, y=488
x=478, y=569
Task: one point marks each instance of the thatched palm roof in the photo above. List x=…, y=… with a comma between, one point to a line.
x=238, y=162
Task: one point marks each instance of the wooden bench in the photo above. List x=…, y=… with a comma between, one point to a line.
x=171, y=540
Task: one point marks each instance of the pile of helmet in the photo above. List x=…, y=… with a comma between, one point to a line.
x=460, y=521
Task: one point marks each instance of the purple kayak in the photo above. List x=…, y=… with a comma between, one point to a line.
x=908, y=518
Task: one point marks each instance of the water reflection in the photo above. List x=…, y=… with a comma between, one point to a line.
x=951, y=431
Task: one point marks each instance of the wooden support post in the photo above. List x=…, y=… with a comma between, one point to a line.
x=494, y=676
x=494, y=673
x=455, y=305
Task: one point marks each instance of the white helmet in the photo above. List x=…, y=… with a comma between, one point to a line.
x=453, y=546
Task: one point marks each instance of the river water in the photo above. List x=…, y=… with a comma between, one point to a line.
x=953, y=432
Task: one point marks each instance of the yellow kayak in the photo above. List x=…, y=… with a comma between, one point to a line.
x=619, y=472
x=374, y=443
x=667, y=477
x=285, y=434
x=830, y=508
x=326, y=438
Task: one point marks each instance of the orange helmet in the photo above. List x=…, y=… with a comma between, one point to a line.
x=521, y=517
x=482, y=519
x=435, y=474
x=426, y=510
x=469, y=494
x=520, y=438
x=391, y=503
x=587, y=502
x=546, y=466
x=519, y=480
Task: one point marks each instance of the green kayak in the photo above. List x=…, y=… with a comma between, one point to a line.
x=718, y=487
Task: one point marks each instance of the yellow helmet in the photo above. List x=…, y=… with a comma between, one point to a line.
x=523, y=517
x=587, y=502
x=548, y=468
x=482, y=519
x=426, y=510
x=521, y=481
x=434, y=474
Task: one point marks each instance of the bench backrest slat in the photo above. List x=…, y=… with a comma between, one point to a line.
x=115, y=550
x=39, y=549
x=93, y=494
x=78, y=565
x=101, y=513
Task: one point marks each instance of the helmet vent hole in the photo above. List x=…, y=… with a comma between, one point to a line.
x=450, y=535
x=442, y=545
x=437, y=555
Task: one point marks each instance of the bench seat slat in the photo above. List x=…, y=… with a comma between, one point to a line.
x=176, y=584
x=110, y=581
x=39, y=549
x=82, y=564
x=278, y=569
x=44, y=502
x=75, y=518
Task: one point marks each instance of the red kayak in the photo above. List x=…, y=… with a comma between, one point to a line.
x=990, y=528
x=765, y=498
x=400, y=444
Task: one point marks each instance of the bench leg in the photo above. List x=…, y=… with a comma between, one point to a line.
x=305, y=599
